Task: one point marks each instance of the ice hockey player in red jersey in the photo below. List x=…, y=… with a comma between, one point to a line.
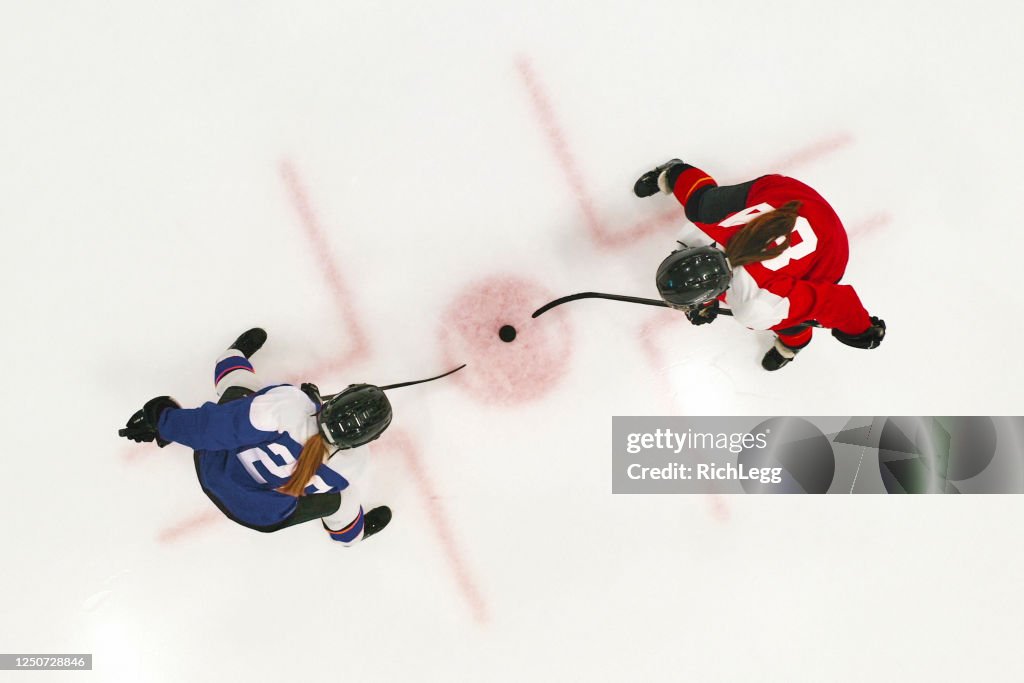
x=783, y=252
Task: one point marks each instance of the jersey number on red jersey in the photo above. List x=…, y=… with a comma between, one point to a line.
x=802, y=240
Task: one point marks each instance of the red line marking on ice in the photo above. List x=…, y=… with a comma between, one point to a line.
x=327, y=366
x=812, y=152
x=600, y=233
x=188, y=526
x=398, y=441
x=545, y=113
x=317, y=238
x=658, y=362
x=655, y=357
x=870, y=224
x=134, y=454
x=719, y=508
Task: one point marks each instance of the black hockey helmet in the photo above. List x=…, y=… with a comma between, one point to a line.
x=360, y=414
x=355, y=417
x=693, y=276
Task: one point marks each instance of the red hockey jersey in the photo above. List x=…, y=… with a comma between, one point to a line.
x=799, y=284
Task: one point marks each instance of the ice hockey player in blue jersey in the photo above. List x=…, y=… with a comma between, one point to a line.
x=274, y=456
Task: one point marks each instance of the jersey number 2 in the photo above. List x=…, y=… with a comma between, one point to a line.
x=250, y=457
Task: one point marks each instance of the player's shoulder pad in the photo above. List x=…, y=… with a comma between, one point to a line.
x=281, y=408
x=753, y=306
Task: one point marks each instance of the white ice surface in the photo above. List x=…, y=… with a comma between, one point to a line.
x=146, y=222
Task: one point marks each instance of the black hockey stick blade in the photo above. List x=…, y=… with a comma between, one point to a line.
x=598, y=295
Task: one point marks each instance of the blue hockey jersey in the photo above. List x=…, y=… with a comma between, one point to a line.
x=248, y=447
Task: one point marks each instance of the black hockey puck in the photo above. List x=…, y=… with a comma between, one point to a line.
x=507, y=333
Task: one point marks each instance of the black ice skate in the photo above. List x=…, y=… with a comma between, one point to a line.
x=375, y=520
x=647, y=184
x=250, y=341
x=778, y=356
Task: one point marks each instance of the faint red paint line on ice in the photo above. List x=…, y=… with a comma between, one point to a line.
x=134, y=454
x=870, y=224
x=598, y=229
x=320, y=247
x=812, y=152
x=398, y=441
x=656, y=358
x=188, y=526
x=560, y=147
x=719, y=508
x=325, y=367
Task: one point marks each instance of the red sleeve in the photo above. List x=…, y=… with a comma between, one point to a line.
x=834, y=306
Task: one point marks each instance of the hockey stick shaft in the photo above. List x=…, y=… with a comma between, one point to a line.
x=327, y=397
x=421, y=381
x=598, y=295
x=632, y=300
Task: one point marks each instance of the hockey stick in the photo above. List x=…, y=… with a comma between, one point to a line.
x=404, y=384
x=632, y=300
x=421, y=381
x=598, y=295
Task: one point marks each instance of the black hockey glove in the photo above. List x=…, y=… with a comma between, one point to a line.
x=313, y=392
x=868, y=339
x=141, y=426
x=661, y=178
x=703, y=314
